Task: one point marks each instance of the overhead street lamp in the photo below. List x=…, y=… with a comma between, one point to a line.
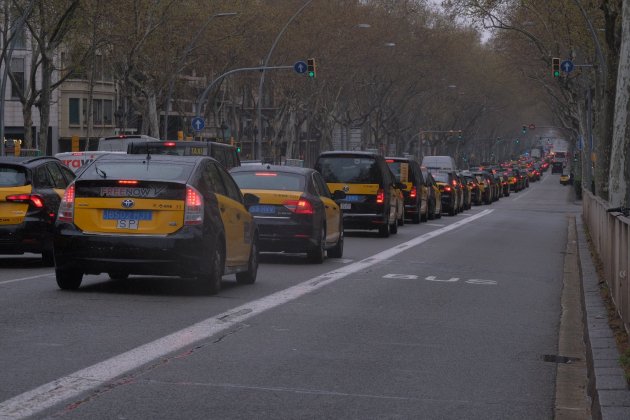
x=265, y=63
x=180, y=64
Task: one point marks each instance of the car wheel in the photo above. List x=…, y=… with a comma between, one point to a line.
x=393, y=228
x=117, y=275
x=316, y=255
x=48, y=258
x=383, y=231
x=337, y=250
x=451, y=210
x=415, y=218
x=68, y=279
x=214, y=275
x=249, y=276
x=431, y=211
x=401, y=221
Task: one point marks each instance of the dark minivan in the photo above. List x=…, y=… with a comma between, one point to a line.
x=224, y=153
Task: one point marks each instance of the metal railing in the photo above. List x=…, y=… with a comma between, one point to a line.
x=610, y=234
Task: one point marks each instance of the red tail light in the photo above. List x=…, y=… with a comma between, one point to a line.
x=380, y=196
x=413, y=193
x=169, y=143
x=301, y=206
x=34, y=199
x=66, y=207
x=193, y=214
x=128, y=182
x=447, y=188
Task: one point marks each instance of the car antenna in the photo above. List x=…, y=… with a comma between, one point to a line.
x=148, y=153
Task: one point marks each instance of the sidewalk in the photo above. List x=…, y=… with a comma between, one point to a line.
x=607, y=385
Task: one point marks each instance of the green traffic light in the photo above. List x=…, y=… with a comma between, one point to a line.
x=311, y=74
x=556, y=73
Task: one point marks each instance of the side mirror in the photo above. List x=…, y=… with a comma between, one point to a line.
x=250, y=199
x=338, y=195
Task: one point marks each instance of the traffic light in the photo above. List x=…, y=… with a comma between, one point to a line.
x=555, y=67
x=311, y=68
x=238, y=147
x=459, y=134
x=524, y=129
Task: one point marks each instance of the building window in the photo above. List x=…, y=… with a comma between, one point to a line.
x=17, y=69
x=97, y=111
x=108, y=112
x=20, y=39
x=74, y=111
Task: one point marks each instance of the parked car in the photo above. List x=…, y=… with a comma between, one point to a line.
x=448, y=191
x=416, y=195
x=296, y=211
x=372, y=193
x=30, y=192
x=167, y=215
x=434, y=194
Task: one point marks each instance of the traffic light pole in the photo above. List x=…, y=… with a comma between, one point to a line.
x=204, y=96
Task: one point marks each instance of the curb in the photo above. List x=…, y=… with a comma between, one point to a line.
x=607, y=384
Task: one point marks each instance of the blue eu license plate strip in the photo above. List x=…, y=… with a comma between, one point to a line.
x=353, y=198
x=262, y=209
x=112, y=214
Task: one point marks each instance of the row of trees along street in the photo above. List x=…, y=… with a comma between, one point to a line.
x=408, y=74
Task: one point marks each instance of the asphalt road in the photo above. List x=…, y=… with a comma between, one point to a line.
x=445, y=320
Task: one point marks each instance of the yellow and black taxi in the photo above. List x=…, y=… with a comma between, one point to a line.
x=372, y=193
x=450, y=194
x=296, y=213
x=155, y=215
x=30, y=192
x=434, y=194
x=226, y=154
x=565, y=178
x=407, y=171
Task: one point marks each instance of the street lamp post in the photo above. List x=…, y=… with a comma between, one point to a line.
x=180, y=64
x=262, y=78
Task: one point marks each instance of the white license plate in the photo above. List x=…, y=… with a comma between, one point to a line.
x=130, y=224
x=346, y=206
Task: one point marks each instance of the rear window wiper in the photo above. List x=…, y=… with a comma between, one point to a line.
x=100, y=172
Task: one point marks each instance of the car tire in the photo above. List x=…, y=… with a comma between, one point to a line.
x=401, y=221
x=383, y=231
x=416, y=217
x=249, y=276
x=431, y=211
x=452, y=211
x=68, y=279
x=214, y=275
x=316, y=254
x=337, y=250
x=117, y=275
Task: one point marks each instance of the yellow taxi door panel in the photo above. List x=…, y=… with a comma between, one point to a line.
x=333, y=215
x=234, y=224
x=13, y=213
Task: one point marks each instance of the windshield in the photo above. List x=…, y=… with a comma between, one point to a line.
x=12, y=176
x=441, y=177
x=359, y=170
x=269, y=181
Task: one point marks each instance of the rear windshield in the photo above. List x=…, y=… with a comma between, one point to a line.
x=134, y=170
x=441, y=177
x=168, y=148
x=269, y=181
x=401, y=170
x=358, y=170
x=12, y=176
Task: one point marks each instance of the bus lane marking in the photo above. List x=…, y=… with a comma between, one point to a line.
x=71, y=386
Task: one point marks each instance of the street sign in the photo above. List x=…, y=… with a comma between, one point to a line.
x=198, y=123
x=300, y=67
x=567, y=66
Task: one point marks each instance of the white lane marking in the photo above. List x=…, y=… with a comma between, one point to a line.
x=45, y=396
x=400, y=276
x=434, y=278
x=26, y=278
x=434, y=224
x=481, y=281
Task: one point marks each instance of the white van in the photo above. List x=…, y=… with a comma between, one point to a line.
x=77, y=160
x=439, y=163
x=121, y=142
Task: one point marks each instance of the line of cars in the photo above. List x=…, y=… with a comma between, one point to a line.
x=165, y=210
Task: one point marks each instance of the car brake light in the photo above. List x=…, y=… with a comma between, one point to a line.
x=35, y=199
x=454, y=183
x=301, y=206
x=193, y=214
x=380, y=196
x=389, y=160
x=169, y=143
x=266, y=174
x=413, y=192
x=66, y=207
x=447, y=188
x=127, y=182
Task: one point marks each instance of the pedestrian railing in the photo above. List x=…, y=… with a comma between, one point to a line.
x=610, y=234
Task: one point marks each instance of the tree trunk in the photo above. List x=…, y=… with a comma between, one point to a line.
x=620, y=165
x=44, y=105
x=27, y=114
x=154, y=127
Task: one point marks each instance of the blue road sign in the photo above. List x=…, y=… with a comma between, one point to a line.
x=300, y=67
x=567, y=66
x=198, y=123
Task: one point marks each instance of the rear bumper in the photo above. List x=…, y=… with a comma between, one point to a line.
x=366, y=221
x=183, y=253
x=32, y=235
x=276, y=235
